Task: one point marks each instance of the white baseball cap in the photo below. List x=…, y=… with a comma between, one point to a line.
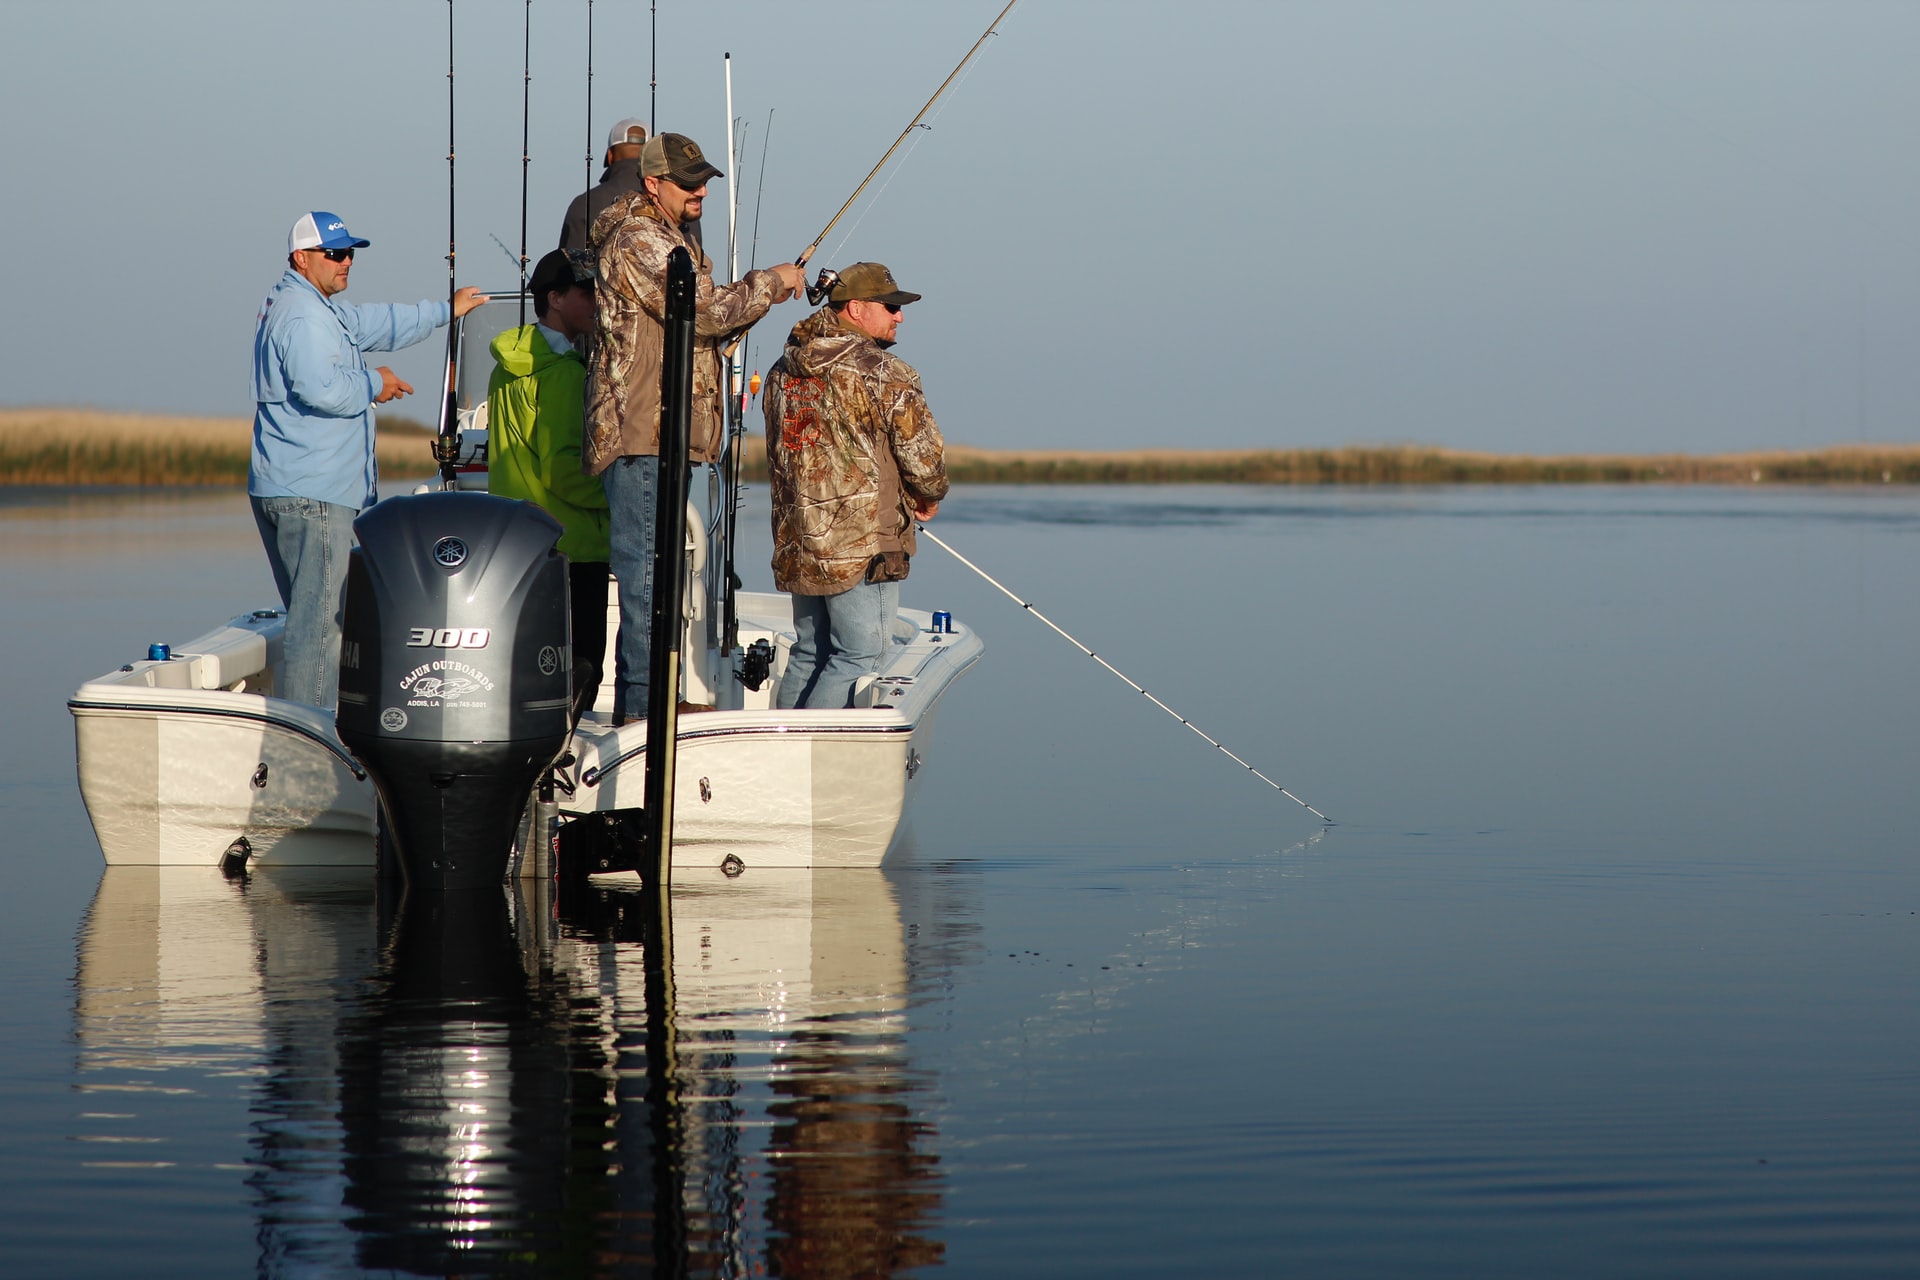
x=622, y=133
x=321, y=230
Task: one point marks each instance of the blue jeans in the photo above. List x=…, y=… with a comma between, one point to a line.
x=308, y=543
x=633, y=500
x=836, y=640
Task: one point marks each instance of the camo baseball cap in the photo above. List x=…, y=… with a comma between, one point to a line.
x=678, y=159
x=870, y=282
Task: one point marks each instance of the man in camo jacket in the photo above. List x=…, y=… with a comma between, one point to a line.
x=632, y=239
x=854, y=458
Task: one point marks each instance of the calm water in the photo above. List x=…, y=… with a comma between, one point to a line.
x=1610, y=967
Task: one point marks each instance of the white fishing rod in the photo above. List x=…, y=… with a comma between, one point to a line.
x=1123, y=676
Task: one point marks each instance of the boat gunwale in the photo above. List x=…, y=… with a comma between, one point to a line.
x=877, y=722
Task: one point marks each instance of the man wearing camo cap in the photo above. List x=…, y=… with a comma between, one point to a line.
x=854, y=458
x=632, y=240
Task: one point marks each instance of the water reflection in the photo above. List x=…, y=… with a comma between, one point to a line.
x=466, y=1087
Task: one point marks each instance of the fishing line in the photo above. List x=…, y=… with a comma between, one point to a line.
x=1123, y=676
x=834, y=253
x=817, y=292
x=919, y=137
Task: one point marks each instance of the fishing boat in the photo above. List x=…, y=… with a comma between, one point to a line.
x=187, y=756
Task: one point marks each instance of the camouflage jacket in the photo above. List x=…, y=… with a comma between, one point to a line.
x=850, y=444
x=632, y=240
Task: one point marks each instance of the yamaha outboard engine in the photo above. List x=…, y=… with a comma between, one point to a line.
x=454, y=674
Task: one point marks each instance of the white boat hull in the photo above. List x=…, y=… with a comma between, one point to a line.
x=181, y=758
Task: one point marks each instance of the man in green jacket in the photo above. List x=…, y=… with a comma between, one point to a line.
x=536, y=406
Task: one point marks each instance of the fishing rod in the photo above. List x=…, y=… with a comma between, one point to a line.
x=760, y=188
x=446, y=444
x=1123, y=676
x=817, y=292
x=526, y=151
x=729, y=581
x=587, y=191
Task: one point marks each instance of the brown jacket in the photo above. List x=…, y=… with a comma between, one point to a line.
x=850, y=445
x=632, y=240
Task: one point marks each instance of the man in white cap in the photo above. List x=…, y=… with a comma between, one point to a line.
x=625, y=141
x=313, y=468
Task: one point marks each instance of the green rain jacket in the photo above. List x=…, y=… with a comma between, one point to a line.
x=536, y=407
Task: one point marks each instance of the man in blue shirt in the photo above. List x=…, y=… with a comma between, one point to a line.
x=313, y=468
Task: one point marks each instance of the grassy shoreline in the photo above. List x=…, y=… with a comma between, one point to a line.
x=72, y=447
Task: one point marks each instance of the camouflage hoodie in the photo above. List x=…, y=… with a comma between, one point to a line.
x=632, y=240
x=850, y=443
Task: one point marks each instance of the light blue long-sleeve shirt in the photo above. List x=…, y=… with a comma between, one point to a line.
x=313, y=393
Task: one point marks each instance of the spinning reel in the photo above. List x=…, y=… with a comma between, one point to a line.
x=817, y=291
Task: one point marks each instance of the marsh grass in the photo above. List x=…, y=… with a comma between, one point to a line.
x=90, y=447
x=1417, y=465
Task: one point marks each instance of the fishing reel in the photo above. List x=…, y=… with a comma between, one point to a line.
x=817, y=291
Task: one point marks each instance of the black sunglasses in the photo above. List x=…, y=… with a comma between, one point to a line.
x=336, y=255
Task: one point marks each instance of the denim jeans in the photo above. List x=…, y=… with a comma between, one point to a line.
x=836, y=640
x=308, y=543
x=633, y=491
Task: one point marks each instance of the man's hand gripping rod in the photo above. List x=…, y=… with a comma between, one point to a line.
x=817, y=291
x=1123, y=676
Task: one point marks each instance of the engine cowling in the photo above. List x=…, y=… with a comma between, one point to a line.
x=455, y=673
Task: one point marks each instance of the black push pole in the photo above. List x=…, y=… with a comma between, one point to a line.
x=663, y=723
x=669, y=560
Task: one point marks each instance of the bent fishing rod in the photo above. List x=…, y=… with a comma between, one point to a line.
x=817, y=292
x=991, y=580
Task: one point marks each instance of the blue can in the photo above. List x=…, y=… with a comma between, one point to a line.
x=158, y=652
x=943, y=621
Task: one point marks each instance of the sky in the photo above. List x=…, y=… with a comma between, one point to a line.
x=1542, y=226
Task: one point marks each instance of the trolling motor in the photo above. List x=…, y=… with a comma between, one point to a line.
x=454, y=672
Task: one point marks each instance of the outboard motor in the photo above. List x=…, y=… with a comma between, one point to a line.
x=454, y=670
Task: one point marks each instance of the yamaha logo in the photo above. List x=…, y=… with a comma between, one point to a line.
x=549, y=660
x=450, y=552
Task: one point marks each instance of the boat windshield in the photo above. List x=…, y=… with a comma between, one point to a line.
x=477, y=330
